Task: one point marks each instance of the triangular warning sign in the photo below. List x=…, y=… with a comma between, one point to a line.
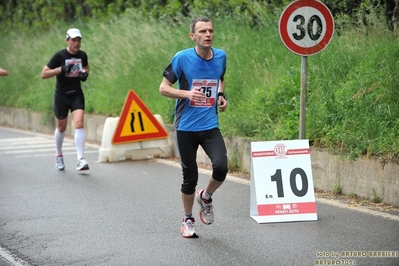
x=137, y=123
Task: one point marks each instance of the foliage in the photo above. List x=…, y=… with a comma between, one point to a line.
x=45, y=13
x=361, y=108
x=352, y=91
x=376, y=198
x=337, y=188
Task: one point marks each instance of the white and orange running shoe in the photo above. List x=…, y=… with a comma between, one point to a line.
x=206, y=212
x=187, y=228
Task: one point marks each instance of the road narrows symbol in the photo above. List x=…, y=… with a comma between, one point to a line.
x=137, y=123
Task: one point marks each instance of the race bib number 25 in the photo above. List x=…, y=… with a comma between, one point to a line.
x=209, y=88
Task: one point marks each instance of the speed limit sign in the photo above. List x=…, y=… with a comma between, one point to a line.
x=306, y=27
x=282, y=182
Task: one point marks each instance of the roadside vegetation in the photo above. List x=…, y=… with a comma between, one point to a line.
x=352, y=91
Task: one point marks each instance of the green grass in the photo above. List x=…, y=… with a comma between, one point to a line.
x=352, y=91
x=376, y=198
x=337, y=188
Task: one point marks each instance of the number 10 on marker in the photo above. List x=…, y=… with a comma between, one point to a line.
x=294, y=188
x=281, y=182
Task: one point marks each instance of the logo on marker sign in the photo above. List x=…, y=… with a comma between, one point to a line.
x=280, y=150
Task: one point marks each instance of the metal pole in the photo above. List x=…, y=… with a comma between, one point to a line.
x=302, y=119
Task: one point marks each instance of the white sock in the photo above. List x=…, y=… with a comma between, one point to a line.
x=80, y=139
x=206, y=195
x=59, y=139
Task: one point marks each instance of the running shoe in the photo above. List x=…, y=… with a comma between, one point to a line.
x=82, y=165
x=206, y=212
x=187, y=228
x=59, y=162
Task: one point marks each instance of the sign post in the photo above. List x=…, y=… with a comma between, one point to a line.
x=306, y=27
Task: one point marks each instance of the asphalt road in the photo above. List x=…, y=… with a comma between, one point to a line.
x=129, y=213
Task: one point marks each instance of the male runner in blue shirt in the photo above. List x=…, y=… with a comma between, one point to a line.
x=199, y=72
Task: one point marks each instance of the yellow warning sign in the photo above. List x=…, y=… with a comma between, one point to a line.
x=137, y=123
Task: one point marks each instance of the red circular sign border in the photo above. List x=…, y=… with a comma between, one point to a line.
x=284, y=21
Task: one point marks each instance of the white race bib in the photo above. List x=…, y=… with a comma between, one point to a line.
x=209, y=88
x=77, y=67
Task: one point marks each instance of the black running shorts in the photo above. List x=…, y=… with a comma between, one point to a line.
x=63, y=102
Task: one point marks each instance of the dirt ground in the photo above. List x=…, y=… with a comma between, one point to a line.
x=356, y=201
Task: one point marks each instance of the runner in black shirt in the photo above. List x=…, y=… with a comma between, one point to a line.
x=70, y=66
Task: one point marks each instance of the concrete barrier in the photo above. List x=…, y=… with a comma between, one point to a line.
x=109, y=152
x=360, y=177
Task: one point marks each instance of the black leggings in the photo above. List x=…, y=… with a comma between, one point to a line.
x=213, y=144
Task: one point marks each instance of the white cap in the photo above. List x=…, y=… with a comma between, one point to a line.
x=73, y=33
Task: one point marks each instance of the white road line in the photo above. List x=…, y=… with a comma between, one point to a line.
x=11, y=259
x=32, y=147
x=19, y=147
x=36, y=150
x=37, y=146
x=22, y=139
x=52, y=154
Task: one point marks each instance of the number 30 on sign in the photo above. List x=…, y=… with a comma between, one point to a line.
x=281, y=182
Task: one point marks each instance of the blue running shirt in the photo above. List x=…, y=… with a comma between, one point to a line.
x=191, y=70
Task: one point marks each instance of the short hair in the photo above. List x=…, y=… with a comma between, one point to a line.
x=194, y=23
